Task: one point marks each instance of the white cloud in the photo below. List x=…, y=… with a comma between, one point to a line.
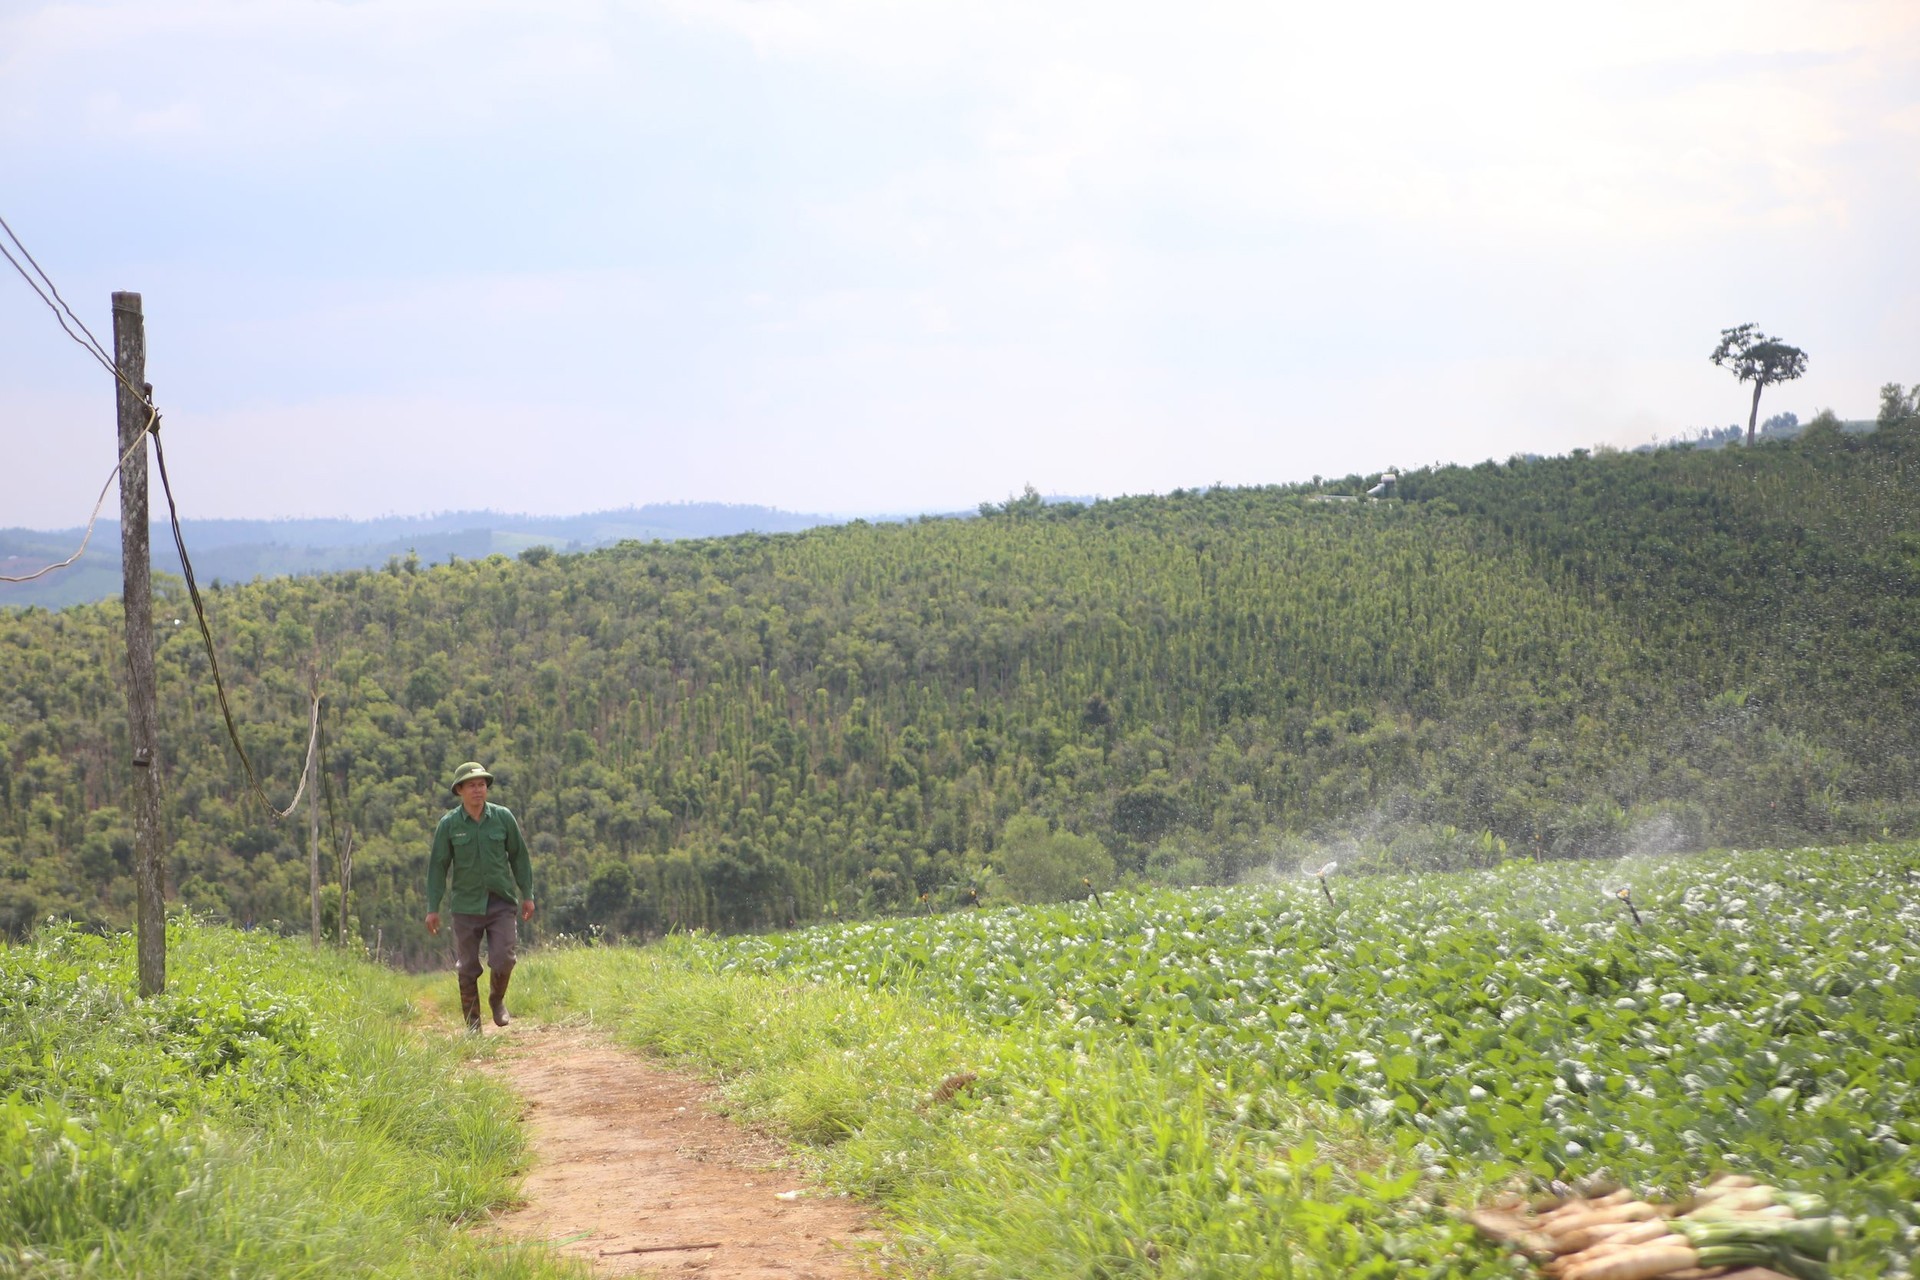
x=841, y=254
x=1632, y=119
x=257, y=73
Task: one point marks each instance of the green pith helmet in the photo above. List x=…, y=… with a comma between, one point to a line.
x=467, y=772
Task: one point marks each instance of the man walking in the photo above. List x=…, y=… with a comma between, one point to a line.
x=492, y=882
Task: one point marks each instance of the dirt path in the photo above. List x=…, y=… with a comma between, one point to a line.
x=627, y=1156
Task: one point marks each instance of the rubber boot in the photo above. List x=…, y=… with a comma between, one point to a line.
x=497, y=995
x=470, y=1002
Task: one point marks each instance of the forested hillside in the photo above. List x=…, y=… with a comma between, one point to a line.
x=1553, y=658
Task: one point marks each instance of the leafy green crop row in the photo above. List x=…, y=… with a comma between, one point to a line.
x=1762, y=1018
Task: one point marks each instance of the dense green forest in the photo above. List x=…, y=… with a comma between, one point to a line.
x=1566, y=657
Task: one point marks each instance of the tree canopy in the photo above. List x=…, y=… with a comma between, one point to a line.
x=1552, y=658
x=1754, y=357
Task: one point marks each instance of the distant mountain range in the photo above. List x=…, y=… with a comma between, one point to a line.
x=241, y=550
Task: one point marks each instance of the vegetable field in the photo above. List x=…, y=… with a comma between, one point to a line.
x=1493, y=1028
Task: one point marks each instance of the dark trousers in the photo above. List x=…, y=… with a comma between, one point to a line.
x=500, y=926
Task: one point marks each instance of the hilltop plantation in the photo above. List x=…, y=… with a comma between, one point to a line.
x=1553, y=658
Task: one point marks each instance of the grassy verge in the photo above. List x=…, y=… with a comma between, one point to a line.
x=1290, y=1081
x=270, y=1115
x=1062, y=1156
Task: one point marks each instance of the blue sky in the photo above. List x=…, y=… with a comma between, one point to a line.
x=401, y=256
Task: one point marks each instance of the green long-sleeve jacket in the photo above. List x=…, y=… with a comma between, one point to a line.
x=485, y=857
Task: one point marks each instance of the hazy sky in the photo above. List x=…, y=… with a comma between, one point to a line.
x=402, y=256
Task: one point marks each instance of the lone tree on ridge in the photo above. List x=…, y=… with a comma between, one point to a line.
x=1756, y=358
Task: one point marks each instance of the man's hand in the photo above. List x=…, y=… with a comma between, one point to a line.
x=526, y=909
x=433, y=922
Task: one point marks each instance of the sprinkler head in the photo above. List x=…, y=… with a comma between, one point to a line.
x=1625, y=895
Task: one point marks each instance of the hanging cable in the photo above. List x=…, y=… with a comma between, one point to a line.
x=326, y=791
x=63, y=313
x=118, y=467
x=213, y=660
x=342, y=845
x=58, y=305
x=50, y=295
x=52, y=288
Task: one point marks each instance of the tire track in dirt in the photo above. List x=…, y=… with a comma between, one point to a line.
x=627, y=1156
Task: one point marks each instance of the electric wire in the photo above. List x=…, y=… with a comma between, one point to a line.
x=213, y=659
x=342, y=849
x=57, y=304
x=87, y=537
x=52, y=288
x=90, y=348
x=326, y=790
x=92, y=345
x=62, y=313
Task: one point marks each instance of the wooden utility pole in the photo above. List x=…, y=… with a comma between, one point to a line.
x=143, y=711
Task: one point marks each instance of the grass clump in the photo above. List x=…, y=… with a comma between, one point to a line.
x=1022, y=1149
x=815, y=1063
x=270, y=1114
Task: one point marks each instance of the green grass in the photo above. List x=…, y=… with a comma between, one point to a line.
x=1059, y=1160
x=1258, y=1082
x=273, y=1114
x=1214, y=1084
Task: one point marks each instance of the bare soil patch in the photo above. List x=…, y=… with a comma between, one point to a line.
x=633, y=1172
